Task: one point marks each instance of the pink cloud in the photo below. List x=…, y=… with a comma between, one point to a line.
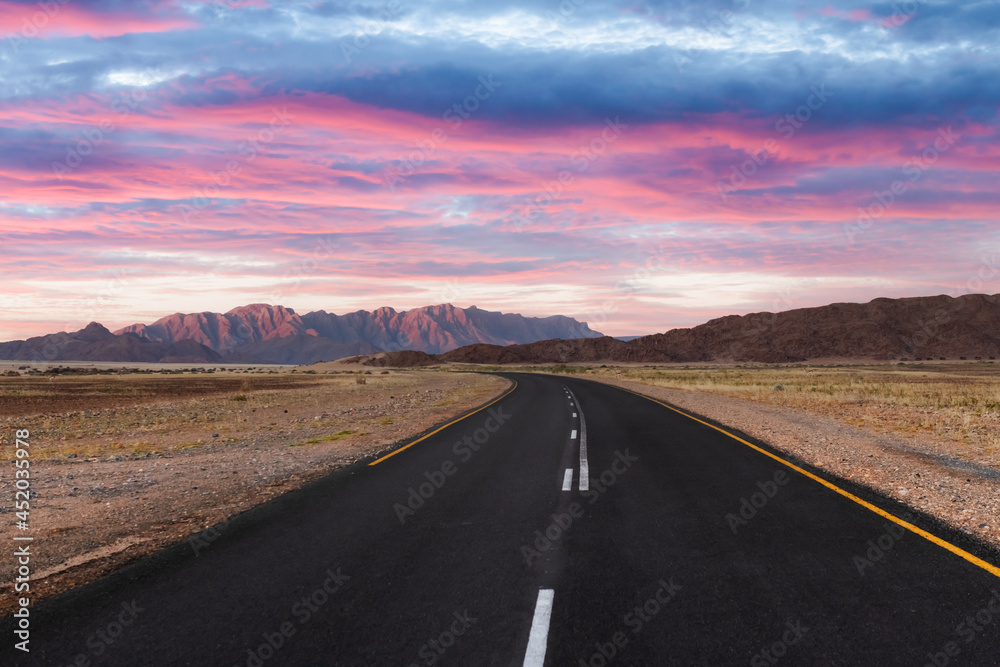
x=57, y=19
x=320, y=176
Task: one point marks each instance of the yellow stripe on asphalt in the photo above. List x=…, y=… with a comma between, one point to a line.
x=454, y=421
x=979, y=562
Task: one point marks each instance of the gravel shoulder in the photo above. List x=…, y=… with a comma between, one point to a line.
x=113, y=484
x=912, y=470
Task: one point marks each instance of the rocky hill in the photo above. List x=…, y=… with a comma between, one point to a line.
x=920, y=327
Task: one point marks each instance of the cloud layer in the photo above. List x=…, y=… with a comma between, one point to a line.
x=640, y=165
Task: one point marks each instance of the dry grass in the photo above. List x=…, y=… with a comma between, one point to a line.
x=954, y=403
x=328, y=438
x=130, y=416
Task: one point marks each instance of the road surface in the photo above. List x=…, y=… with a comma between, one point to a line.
x=483, y=544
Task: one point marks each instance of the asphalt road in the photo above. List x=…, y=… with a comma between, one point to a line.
x=483, y=544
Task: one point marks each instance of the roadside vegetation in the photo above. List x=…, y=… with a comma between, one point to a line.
x=954, y=402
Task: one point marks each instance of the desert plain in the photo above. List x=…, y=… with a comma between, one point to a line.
x=128, y=460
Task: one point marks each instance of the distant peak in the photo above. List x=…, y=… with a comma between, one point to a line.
x=440, y=308
x=260, y=308
x=253, y=306
x=93, y=332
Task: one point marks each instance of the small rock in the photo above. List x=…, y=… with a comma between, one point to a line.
x=215, y=435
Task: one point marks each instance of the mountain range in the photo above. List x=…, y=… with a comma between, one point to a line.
x=261, y=333
x=919, y=327
x=910, y=328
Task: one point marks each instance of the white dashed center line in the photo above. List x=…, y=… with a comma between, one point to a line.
x=538, y=640
x=568, y=480
x=584, y=465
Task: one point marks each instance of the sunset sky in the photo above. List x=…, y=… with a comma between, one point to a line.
x=640, y=165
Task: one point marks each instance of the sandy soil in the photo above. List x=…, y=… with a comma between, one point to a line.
x=915, y=470
x=123, y=466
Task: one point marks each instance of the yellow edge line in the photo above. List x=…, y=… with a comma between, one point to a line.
x=992, y=569
x=454, y=421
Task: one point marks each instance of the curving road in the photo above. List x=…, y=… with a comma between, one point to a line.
x=483, y=544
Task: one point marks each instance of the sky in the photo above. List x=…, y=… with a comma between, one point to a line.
x=637, y=164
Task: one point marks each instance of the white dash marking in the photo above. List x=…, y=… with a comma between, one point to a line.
x=568, y=480
x=572, y=436
x=584, y=465
x=538, y=640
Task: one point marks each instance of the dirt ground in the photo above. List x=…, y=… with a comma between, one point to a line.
x=60, y=394
x=123, y=466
